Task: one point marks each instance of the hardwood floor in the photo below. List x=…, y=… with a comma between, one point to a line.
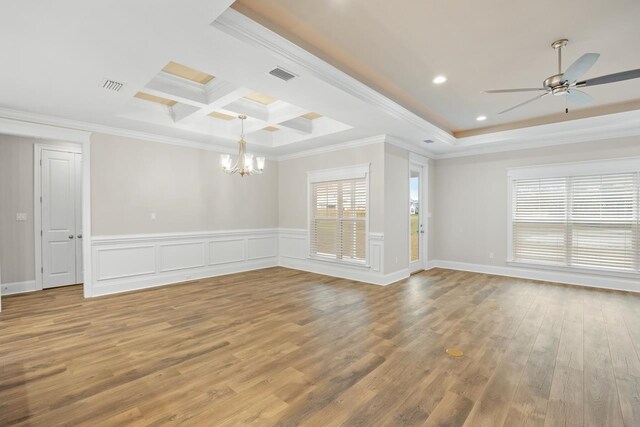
x=282, y=347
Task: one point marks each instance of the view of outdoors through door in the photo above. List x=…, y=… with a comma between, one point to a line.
x=414, y=214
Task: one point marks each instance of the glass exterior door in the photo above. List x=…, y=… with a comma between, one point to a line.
x=416, y=229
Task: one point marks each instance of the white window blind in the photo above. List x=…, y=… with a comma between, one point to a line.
x=338, y=220
x=586, y=221
x=539, y=220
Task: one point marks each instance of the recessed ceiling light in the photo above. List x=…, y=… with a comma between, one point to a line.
x=439, y=79
x=428, y=141
x=481, y=118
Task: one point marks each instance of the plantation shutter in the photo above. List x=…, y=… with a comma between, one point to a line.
x=539, y=220
x=338, y=220
x=590, y=221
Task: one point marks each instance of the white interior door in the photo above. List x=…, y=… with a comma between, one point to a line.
x=78, y=212
x=417, y=259
x=59, y=247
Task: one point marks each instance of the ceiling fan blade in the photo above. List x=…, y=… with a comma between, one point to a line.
x=610, y=78
x=580, y=67
x=524, y=103
x=529, y=89
x=579, y=97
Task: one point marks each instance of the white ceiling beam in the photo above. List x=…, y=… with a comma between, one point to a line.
x=298, y=125
x=219, y=95
x=281, y=111
x=249, y=108
x=177, y=89
x=183, y=111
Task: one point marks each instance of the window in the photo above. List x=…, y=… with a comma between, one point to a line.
x=580, y=220
x=338, y=215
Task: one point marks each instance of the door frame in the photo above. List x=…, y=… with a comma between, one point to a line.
x=416, y=160
x=47, y=129
x=82, y=149
x=37, y=201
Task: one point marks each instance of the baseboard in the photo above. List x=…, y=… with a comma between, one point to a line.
x=132, y=284
x=135, y=284
x=568, y=278
x=350, y=273
x=17, y=287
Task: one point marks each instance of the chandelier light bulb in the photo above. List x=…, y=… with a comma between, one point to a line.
x=225, y=160
x=248, y=161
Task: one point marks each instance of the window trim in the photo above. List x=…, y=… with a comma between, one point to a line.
x=335, y=174
x=564, y=170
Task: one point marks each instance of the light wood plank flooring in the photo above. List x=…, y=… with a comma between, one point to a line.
x=283, y=347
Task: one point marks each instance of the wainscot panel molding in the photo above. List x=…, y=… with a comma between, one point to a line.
x=129, y=262
x=547, y=275
x=18, y=287
x=123, y=263
x=294, y=251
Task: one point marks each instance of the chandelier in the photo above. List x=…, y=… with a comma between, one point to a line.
x=244, y=164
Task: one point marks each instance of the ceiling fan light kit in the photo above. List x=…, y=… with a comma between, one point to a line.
x=566, y=84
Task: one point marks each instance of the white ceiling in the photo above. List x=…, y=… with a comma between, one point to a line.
x=56, y=54
x=399, y=47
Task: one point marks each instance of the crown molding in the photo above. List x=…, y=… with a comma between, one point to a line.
x=378, y=139
x=617, y=125
x=243, y=28
x=12, y=126
x=410, y=147
x=58, y=128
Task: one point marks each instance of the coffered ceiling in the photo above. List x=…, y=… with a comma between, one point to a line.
x=182, y=97
x=399, y=47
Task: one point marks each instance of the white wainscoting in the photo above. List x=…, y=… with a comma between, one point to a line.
x=294, y=251
x=130, y=262
x=17, y=287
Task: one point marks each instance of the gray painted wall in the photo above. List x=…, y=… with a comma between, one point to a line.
x=184, y=187
x=17, y=254
x=470, y=209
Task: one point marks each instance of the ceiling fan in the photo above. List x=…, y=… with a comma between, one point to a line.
x=566, y=84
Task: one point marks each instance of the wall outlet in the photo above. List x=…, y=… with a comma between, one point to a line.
x=491, y=255
x=153, y=216
x=21, y=217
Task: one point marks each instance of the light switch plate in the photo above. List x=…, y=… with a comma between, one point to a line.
x=153, y=216
x=21, y=217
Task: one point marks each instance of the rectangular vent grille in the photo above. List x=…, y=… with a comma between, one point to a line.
x=112, y=85
x=282, y=74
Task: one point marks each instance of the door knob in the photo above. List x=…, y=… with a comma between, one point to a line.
x=79, y=236
x=71, y=236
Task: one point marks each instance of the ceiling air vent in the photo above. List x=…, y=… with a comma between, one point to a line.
x=111, y=85
x=282, y=74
